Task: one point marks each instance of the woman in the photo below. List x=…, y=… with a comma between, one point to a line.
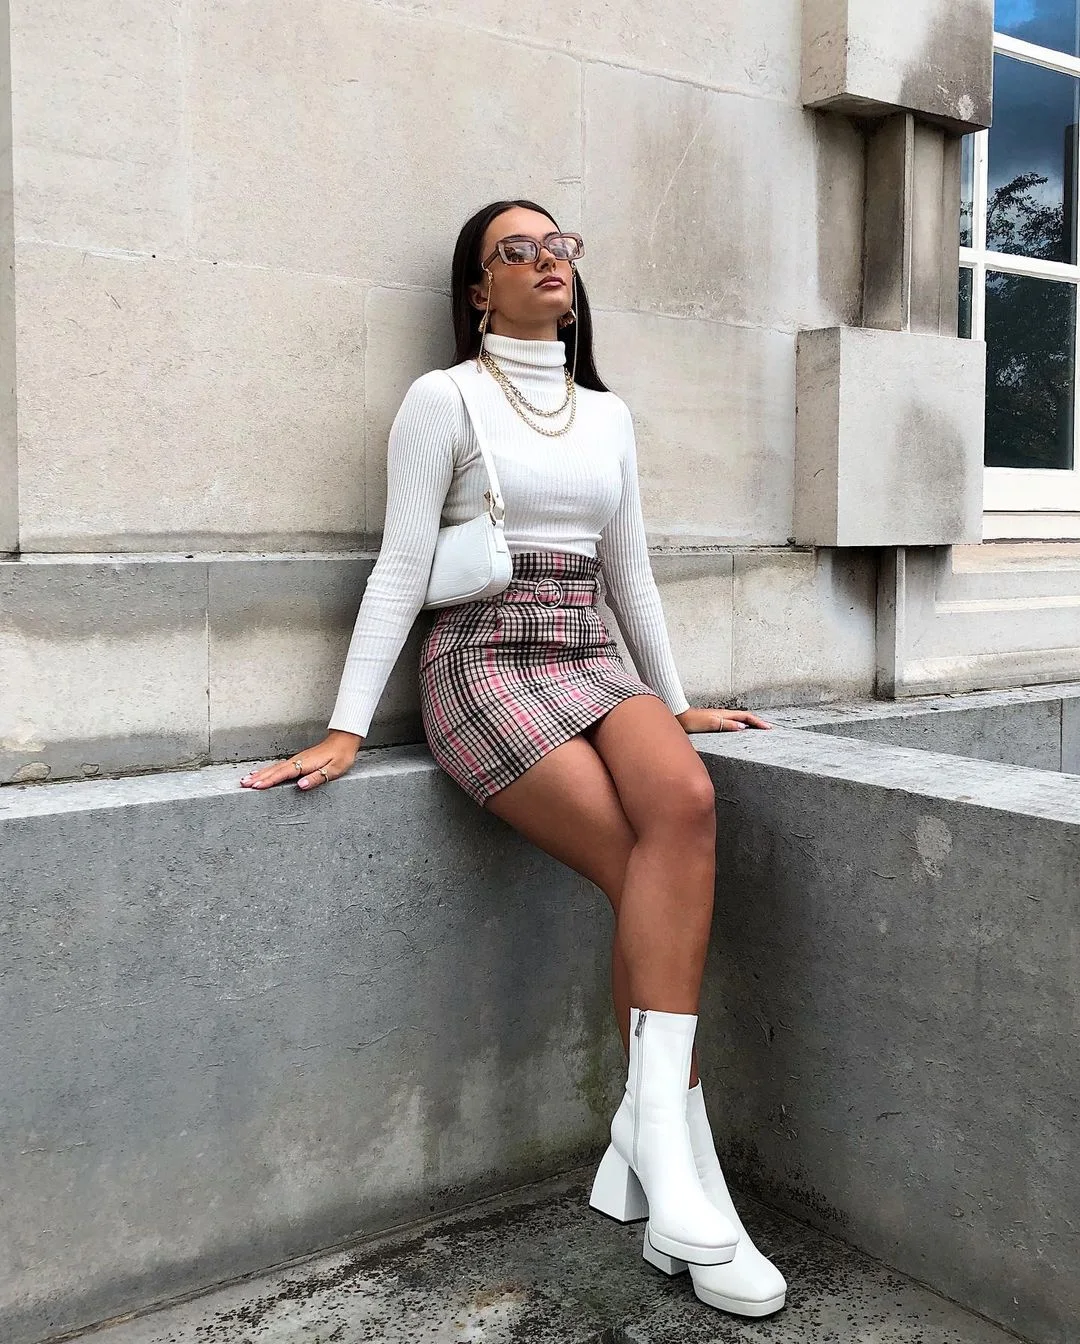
x=528, y=707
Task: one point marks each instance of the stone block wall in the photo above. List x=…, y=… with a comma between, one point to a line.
x=234, y=228
x=232, y=232
x=9, y=514
x=227, y=235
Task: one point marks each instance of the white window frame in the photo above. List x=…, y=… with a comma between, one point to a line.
x=1021, y=503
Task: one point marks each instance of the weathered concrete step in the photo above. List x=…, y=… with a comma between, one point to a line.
x=538, y=1267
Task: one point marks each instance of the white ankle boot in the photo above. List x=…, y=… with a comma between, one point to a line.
x=749, y=1285
x=649, y=1170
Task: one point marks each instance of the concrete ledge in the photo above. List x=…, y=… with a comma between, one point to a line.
x=1033, y=727
x=243, y=1026
x=891, y=1009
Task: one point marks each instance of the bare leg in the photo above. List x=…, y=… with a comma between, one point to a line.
x=568, y=805
x=665, y=912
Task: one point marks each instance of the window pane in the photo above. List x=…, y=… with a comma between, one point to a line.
x=1047, y=23
x=967, y=189
x=1030, y=328
x=963, y=323
x=1032, y=184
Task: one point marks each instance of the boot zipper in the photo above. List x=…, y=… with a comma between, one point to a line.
x=638, y=1032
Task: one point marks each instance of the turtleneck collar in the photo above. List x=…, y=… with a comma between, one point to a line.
x=538, y=358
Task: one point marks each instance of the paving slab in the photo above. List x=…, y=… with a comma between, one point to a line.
x=538, y=1267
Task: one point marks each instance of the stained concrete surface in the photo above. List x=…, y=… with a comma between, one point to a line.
x=540, y=1266
x=888, y=1022
x=216, y=1061
x=260, y=1041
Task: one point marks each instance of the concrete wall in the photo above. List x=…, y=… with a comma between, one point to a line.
x=890, y=1022
x=243, y=1026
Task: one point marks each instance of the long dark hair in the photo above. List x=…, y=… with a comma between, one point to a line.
x=468, y=270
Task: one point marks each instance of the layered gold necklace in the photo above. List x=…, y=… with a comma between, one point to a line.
x=524, y=407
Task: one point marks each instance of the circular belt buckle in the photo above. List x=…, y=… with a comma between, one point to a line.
x=549, y=593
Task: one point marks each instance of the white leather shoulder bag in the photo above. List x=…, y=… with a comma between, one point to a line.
x=472, y=560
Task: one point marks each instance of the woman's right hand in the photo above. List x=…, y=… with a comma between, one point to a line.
x=317, y=765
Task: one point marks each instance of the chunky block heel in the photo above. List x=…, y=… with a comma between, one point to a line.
x=617, y=1192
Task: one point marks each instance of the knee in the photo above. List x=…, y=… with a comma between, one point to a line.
x=687, y=808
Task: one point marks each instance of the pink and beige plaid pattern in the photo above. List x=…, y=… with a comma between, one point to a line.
x=506, y=680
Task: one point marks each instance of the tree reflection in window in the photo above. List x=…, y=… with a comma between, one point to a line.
x=1028, y=214
x=1030, y=328
x=967, y=191
x=1029, y=336
x=1018, y=222
x=1031, y=154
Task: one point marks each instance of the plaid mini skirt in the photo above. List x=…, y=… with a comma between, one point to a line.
x=505, y=680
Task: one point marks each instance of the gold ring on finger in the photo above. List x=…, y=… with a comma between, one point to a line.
x=299, y=765
x=322, y=771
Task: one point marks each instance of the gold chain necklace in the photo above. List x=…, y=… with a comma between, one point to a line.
x=499, y=373
x=518, y=402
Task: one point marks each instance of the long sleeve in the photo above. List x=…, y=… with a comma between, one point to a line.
x=419, y=470
x=631, y=588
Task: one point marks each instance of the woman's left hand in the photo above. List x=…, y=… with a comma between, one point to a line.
x=719, y=720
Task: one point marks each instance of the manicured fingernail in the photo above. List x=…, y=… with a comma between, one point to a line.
x=303, y=784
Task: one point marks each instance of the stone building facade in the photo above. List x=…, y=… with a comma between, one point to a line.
x=227, y=231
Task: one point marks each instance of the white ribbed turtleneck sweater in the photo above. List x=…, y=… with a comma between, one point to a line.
x=575, y=493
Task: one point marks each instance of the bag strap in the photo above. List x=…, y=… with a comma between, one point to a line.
x=460, y=377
